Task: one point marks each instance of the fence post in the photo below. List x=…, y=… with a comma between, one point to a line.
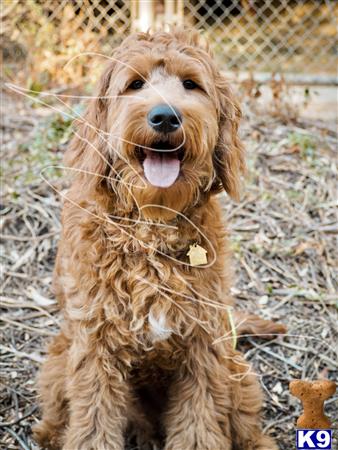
x=173, y=12
x=142, y=15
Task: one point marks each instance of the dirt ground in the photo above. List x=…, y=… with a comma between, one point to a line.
x=283, y=234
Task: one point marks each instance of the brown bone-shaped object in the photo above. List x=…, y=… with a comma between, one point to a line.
x=312, y=394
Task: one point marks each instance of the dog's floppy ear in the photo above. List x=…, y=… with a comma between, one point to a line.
x=229, y=155
x=89, y=151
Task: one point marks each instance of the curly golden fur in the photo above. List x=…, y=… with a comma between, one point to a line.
x=139, y=349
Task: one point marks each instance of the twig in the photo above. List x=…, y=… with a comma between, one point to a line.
x=27, y=327
x=9, y=424
x=19, y=354
x=20, y=441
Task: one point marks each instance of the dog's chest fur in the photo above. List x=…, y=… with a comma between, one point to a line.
x=140, y=285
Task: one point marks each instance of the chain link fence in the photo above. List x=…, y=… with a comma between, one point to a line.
x=247, y=35
x=279, y=35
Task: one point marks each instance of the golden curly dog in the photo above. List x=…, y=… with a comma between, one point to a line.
x=146, y=347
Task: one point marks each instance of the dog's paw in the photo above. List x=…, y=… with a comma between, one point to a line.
x=47, y=436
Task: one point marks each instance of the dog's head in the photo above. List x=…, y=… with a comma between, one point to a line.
x=163, y=128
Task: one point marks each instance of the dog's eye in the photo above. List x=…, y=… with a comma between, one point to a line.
x=136, y=84
x=189, y=84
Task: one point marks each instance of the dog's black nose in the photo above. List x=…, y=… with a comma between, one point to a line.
x=164, y=118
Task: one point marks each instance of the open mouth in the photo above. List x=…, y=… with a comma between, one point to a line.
x=161, y=163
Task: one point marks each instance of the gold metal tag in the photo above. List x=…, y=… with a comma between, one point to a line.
x=197, y=255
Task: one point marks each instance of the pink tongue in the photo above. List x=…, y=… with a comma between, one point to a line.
x=161, y=169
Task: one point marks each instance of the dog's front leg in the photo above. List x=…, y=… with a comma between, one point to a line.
x=199, y=403
x=52, y=379
x=98, y=394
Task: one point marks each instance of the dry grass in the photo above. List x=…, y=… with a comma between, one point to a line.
x=283, y=236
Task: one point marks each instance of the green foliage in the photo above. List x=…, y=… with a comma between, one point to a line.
x=236, y=244
x=306, y=144
x=45, y=149
x=52, y=134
